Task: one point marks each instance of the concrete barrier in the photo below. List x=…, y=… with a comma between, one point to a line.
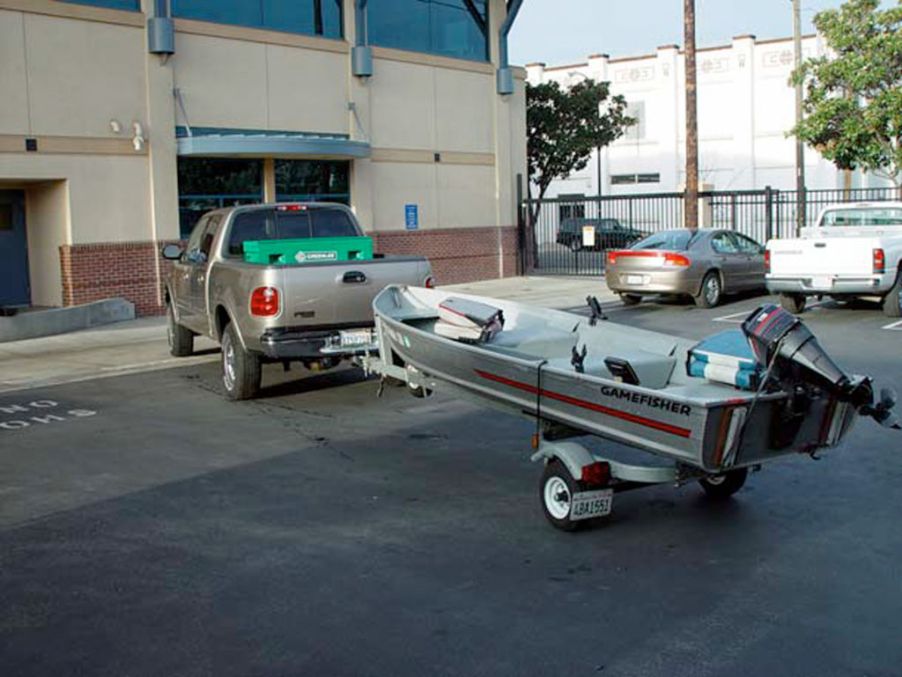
x=33, y=323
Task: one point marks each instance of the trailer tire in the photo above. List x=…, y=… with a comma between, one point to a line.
x=892, y=302
x=556, y=491
x=241, y=369
x=794, y=303
x=721, y=487
x=181, y=340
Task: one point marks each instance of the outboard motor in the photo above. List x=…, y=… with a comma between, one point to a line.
x=780, y=341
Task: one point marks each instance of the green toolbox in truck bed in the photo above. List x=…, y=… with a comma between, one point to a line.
x=308, y=250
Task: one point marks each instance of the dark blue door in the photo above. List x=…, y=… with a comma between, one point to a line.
x=14, y=289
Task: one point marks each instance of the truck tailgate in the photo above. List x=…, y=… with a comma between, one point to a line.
x=341, y=294
x=834, y=256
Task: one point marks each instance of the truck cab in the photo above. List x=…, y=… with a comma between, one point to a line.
x=853, y=251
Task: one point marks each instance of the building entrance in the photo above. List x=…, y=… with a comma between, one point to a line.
x=14, y=287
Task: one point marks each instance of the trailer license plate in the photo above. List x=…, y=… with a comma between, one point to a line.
x=354, y=338
x=590, y=504
x=635, y=279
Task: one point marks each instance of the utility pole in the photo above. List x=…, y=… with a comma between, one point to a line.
x=690, y=208
x=801, y=198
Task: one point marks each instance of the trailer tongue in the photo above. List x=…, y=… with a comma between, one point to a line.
x=763, y=392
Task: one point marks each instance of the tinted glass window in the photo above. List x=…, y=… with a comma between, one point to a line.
x=877, y=216
x=293, y=225
x=249, y=226
x=206, y=242
x=313, y=181
x=310, y=17
x=132, y=5
x=455, y=28
x=197, y=234
x=673, y=240
x=723, y=243
x=747, y=245
x=331, y=223
x=211, y=183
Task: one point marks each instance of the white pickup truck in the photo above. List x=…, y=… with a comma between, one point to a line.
x=854, y=251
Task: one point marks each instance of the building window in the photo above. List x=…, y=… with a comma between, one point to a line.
x=636, y=132
x=313, y=181
x=626, y=179
x=310, y=17
x=211, y=183
x=455, y=28
x=128, y=5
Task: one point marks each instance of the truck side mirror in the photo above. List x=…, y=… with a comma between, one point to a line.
x=171, y=252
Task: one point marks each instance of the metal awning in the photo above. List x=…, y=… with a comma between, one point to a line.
x=213, y=142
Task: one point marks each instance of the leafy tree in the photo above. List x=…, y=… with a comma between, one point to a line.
x=853, y=97
x=564, y=126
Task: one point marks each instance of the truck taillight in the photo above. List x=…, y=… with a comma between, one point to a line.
x=767, y=260
x=265, y=302
x=429, y=282
x=879, y=261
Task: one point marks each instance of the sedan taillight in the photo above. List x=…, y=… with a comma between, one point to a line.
x=671, y=259
x=265, y=302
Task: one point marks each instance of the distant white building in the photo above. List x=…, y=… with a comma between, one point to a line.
x=746, y=106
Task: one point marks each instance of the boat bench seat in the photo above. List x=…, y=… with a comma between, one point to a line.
x=545, y=343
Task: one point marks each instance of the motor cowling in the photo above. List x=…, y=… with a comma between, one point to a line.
x=782, y=342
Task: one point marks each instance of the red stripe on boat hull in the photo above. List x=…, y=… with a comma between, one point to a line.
x=585, y=404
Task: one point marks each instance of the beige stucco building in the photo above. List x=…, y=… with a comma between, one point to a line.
x=108, y=149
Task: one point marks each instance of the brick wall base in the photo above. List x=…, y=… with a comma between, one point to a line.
x=135, y=270
x=130, y=270
x=457, y=254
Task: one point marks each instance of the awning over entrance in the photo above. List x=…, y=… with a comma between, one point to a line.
x=212, y=142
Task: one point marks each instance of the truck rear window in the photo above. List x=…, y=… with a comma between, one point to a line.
x=271, y=224
x=876, y=216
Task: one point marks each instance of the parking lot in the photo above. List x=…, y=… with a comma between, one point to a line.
x=149, y=527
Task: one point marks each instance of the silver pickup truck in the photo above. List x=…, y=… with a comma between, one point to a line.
x=315, y=312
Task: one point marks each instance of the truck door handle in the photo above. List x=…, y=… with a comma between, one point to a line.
x=354, y=277
x=820, y=244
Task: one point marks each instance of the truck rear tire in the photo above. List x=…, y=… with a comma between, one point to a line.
x=892, y=302
x=794, y=303
x=181, y=340
x=241, y=369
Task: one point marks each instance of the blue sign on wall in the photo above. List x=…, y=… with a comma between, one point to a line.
x=411, y=217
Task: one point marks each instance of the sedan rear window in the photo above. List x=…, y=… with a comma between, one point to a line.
x=672, y=240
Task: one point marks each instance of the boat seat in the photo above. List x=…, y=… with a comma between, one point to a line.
x=651, y=370
x=539, y=343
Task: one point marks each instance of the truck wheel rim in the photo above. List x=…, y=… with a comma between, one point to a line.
x=228, y=364
x=169, y=330
x=712, y=289
x=557, y=498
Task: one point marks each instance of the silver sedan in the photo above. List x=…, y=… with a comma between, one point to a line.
x=703, y=264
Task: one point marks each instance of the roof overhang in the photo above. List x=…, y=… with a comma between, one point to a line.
x=271, y=145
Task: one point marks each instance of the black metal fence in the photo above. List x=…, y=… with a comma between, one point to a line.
x=551, y=237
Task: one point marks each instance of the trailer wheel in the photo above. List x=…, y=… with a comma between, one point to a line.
x=241, y=369
x=723, y=486
x=556, y=491
x=794, y=303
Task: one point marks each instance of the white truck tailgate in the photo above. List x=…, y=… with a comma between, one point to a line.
x=822, y=257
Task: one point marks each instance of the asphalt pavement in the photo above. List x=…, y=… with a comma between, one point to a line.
x=149, y=527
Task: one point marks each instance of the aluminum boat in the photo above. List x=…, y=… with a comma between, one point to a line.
x=578, y=375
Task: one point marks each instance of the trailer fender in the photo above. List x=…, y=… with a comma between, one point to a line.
x=572, y=454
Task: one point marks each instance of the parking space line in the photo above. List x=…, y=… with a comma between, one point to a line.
x=745, y=313
x=894, y=326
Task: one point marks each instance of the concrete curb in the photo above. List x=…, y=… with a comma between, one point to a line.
x=53, y=321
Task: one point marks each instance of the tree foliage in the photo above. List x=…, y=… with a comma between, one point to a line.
x=564, y=126
x=853, y=97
